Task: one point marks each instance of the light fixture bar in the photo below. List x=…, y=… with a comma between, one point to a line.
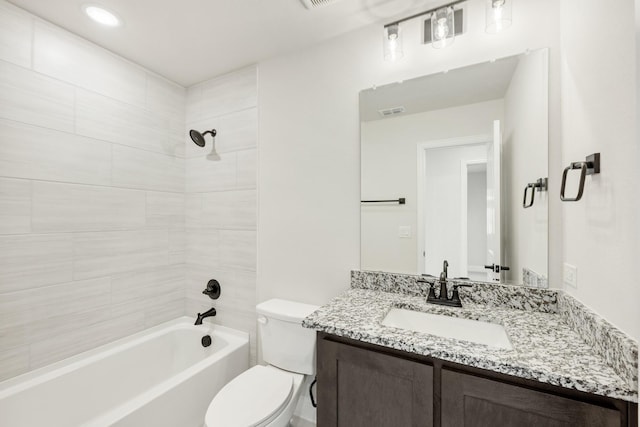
x=426, y=12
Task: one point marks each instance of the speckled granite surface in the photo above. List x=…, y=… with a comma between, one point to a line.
x=617, y=349
x=490, y=294
x=545, y=347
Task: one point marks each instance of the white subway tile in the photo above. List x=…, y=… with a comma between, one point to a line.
x=145, y=170
x=162, y=311
x=165, y=209
x=229, y=93
x=238, y=249
x=177, y=246
x=35, y=260
x=47, y=351
x=29, y=97
x=40, y=304
x=37, y=153
x=70, y=207
x=143, y=285
x=203, y=247
x=229, y=210
x=15, y=206
x=16, y=27
x=104, y=253
x=26, y=333
x=166, y=98
x=107, y=119
x=13, y=361
x=193, y=214
x=206, y=175
x=247, y=175
x=70, y=58
x=193, y=107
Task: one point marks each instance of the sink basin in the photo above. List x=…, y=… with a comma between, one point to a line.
x=490, y=334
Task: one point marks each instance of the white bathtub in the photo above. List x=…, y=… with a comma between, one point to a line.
x=159, y=377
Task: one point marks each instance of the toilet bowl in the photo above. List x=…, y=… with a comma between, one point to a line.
x=263, y=396
x=266, y=396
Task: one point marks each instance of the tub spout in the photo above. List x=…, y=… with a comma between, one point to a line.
x=208, y=313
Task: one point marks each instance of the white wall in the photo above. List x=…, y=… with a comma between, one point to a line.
x=389, y=169
x=221, y=200
x=601, y=233
x=91, y=195
x=525, y=154
x=308, y=165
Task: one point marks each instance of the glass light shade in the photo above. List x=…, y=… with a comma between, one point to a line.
x=498, y=15
x=442, y=27
x=392, y=43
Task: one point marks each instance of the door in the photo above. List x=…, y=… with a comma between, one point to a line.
x=470, y=401
x=494, y=151
x=364, y=388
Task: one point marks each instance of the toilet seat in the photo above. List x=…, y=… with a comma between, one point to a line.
x=252, y=399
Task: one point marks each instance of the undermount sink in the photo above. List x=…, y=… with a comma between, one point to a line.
x=490, y=334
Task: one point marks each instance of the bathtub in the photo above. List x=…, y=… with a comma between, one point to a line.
x=159, y=377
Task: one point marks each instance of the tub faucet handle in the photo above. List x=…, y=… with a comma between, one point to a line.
x=213, y=289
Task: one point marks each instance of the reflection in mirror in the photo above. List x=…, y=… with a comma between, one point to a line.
x=460, y=147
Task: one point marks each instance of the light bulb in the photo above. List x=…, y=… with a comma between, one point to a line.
x=392, y=43
x=442, y=27
x=498, y=15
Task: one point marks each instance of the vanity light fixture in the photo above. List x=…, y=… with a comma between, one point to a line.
x=392, y=42
x=101, y=15
x=442, y=24
x=442, y=27
x=498, y=15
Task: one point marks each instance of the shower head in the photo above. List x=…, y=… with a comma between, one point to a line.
x=198, y=137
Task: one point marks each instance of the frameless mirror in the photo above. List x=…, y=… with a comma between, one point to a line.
x=454, y=166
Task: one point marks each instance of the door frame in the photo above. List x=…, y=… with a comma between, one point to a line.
x=422, y=149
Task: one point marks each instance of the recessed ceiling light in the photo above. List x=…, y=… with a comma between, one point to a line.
x=102, y=15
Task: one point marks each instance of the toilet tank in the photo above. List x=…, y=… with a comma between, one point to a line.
x=285, y=343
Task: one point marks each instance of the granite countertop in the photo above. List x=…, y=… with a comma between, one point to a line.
x=545, y=348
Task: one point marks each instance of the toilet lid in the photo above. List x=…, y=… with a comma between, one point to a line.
x=251, y=399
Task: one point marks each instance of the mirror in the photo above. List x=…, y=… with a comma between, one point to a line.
x=454, y=166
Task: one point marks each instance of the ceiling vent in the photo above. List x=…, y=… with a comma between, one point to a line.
x=391, y=111
x=312, y=4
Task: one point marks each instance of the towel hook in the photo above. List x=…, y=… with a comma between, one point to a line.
x=540, y=185
x=590, y=166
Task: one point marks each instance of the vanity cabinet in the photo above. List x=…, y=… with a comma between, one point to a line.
x=361, y=388
x=362, y=384
x=472, y=401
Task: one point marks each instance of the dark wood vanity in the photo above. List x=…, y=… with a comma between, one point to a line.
x=365, y=385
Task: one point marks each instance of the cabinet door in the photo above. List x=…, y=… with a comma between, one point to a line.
x=471, y=401
x=363, y=388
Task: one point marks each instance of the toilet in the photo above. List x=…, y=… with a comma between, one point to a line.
x=266, y=396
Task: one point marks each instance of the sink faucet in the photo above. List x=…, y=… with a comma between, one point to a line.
x=443, y=298
x=208, y=313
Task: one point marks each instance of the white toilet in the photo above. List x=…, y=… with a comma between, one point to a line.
x=266, y=396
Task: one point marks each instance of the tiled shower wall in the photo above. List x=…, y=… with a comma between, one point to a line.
x=92, y=177
x=221, y=199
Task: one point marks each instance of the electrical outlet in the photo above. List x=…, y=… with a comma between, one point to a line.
x=570, y=275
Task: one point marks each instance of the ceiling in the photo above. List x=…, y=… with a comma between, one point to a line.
x=445, y=90
x=189, y=41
